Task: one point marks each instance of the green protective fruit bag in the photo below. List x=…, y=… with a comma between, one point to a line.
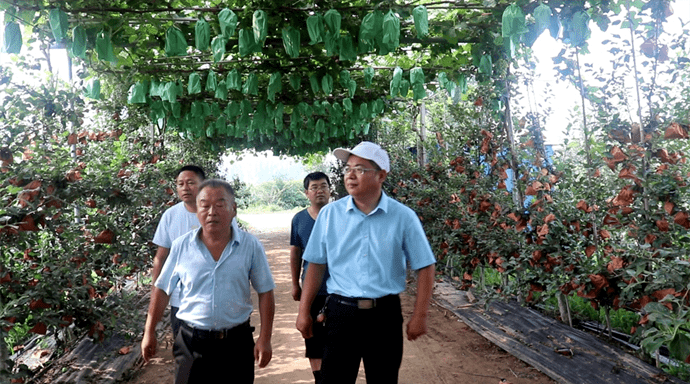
x=332, y=19
x=315, y=29
x=352, y=87
x=371, y=26
x=218, y=47
x=347, y=48
x=291, y=41
x=442, y=79
x=195, y=109
x=93, y=89
x=13, y=38
x=202, y=35
x=347, y=105
x=221, y=125
x=404, y=87
x=211, y=81
x=379, y=106
x=221, y=91
x=419, y=91
x=416, y=76
x=278, y=117
x=260, y=26
x=314, y=82
x=327, y=84
x=304, y=109
x=232, y=110
x=260, y=118
x=275, y=85
x=391, y=32
x=137, y=94
x=364, y=111
x=421, y=20
x=336, y=114
x=58, y=24
x=344, y=78
x=331, y=43
x=156, y=88
x=175, y=43
x=194, y=83
x=368, y=76
x=228, y=22
x=251, y=86
x=320, y=126
x=246, y=42
x=295, y=81
x=233, y=80
x=79, y=41
x=513, y=21
x=176, y=109
x=104, y=47
x=395, y=82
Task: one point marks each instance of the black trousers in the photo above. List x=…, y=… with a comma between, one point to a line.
x=208, y=357
x=370, y=335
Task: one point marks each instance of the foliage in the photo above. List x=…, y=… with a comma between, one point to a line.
x=83, y=186
x=279, y=193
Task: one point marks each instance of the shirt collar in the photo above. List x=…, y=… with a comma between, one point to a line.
x=382, y=205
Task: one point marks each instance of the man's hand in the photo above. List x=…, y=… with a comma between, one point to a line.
x=296, y=292
x=304, y=325
x=149, y=344
x=416, y=327
x=262, y=352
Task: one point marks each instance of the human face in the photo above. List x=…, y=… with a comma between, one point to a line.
x=318, y=192
x=367, y=185
x=215, y=210
x=187, y=184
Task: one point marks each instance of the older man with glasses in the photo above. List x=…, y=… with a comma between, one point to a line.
x=366, y=240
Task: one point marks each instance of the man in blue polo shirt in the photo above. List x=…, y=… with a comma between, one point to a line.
x=317, y=188
x=214, y=267
x=367, y=240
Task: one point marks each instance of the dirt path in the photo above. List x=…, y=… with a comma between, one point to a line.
x=450, y=353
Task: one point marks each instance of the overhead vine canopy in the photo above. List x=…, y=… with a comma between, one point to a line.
x=292, y=76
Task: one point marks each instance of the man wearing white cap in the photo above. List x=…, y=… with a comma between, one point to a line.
x=367, y=240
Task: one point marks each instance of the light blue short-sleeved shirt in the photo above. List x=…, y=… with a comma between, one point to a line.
x=367, y=255
x=215, y=294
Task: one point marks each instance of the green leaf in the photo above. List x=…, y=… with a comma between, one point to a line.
x=228, y=22
x=421, y=21
x=79, y=41
x=58, y=24
x=13, y=38
x=202, y=35
x=175, y=43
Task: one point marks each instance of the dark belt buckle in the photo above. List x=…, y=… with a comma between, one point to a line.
x=366, y=303
x=220, y=335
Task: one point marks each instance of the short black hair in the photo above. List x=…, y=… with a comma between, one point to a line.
x=217, y=183
x=314, y=176
x=193, y=168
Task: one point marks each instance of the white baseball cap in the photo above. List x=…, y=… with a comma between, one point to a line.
x=366, y=150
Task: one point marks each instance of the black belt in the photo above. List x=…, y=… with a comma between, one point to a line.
x=216, y=334
x=365, y=303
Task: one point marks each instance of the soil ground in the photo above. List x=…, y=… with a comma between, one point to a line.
x=451, y=352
